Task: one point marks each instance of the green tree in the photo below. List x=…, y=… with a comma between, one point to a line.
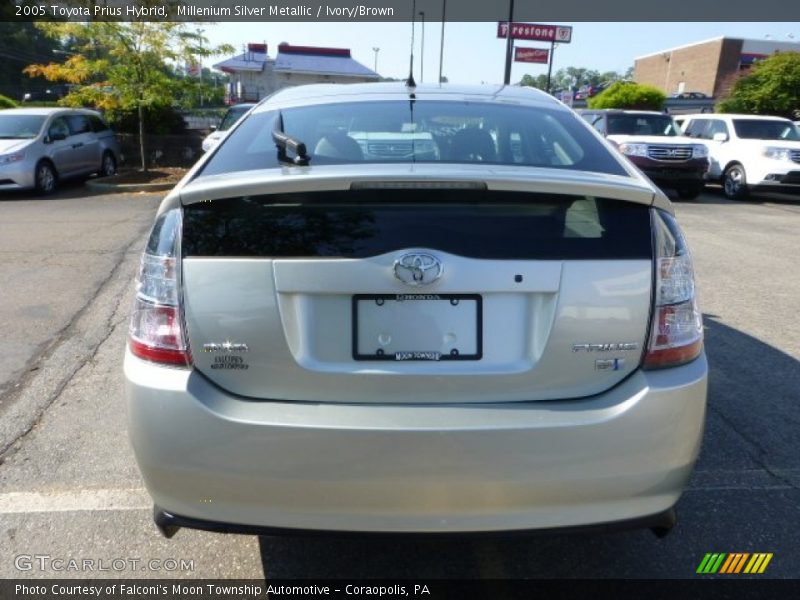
x=571, y=78
x=630, y=96
x=7, y=102
x=22, y=44
x=123, y=65
x=539, y=82
x=610, y=77
x=771, y=88
x=193, y=91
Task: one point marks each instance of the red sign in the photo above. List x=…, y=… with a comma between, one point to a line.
x=560, y=34
x=532, y=55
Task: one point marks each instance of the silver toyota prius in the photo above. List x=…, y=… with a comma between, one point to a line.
x=382, y=308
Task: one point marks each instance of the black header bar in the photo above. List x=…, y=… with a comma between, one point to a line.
x=395, y=10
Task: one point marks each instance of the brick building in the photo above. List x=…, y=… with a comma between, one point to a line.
x=709, y=67
x=254, y=74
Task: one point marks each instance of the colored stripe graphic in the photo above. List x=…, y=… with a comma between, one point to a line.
x=758, y=563
x=727, y=564
x=703, y=563
x=741, y=562
x=711, y=563
x=734, y=563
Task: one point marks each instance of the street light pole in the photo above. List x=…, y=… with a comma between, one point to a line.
x=422, y=49
x=509, y=43
x=200, y=33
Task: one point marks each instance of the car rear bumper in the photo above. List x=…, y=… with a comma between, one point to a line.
x=211, y=457
x=661, y=524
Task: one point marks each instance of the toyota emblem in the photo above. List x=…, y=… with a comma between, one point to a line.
x=418, y=268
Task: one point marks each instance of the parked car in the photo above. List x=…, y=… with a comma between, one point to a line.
x=233, y=114
x=41, y=146
x=432, y=309
x=690, y=96
x=654, y=143
x=749, y=152
x=589, y=91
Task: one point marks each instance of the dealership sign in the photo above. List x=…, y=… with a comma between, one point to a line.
x=560, y=34
x=532, y=55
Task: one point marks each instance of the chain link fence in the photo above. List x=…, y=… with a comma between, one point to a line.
x=163, y=150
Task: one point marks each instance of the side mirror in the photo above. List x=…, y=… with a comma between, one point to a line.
x=213, y=127
x=720, y=137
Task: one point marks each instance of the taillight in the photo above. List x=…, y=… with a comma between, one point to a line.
x=676, y=333
x=156, y=330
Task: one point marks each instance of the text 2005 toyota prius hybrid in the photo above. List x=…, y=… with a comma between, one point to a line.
x=375, y=308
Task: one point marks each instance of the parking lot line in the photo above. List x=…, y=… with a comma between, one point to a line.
x=75, y=500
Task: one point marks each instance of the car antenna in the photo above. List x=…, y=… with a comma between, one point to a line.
x=286, y=142
x=410, y=83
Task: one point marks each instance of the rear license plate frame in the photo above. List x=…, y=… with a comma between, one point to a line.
x=418, y=355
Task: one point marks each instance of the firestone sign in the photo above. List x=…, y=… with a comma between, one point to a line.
x=532, y=55
x=560, y=34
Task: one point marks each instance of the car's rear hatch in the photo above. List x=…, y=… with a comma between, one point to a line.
x=530, y=290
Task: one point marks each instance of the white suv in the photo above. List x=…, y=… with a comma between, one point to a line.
x=748, y=151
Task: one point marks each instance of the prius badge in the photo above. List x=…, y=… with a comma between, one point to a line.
x=418, y=268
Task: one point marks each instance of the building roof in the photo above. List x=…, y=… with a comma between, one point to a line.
x=300, y=59
x=249, y=61
x=322, y=61
x=748, y=43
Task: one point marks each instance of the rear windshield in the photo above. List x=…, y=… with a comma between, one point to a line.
x=633, y=124
x=762, y=129
x=472, y=223
x=418, y=132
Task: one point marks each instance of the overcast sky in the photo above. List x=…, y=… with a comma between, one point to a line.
x=473, y=53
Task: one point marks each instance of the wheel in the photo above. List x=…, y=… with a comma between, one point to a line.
x=734, y=182
x=689, y=193
x=46, y=178
x=109, y=166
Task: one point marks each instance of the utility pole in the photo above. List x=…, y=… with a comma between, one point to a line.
x=422, y=50
x=441, y=42
x=509, y=43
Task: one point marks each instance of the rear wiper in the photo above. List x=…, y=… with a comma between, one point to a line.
x=286, y=142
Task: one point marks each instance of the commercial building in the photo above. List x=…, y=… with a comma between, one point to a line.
x=254, y=74
x=709, y=67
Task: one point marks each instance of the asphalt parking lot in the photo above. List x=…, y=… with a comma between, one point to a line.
x=69, y=487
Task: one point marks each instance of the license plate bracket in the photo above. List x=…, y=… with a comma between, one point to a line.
x=417, y=327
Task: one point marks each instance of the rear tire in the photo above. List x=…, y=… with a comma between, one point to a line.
x=689, y=193
x=46, y=178
x=734, y=182
x=108, y=165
